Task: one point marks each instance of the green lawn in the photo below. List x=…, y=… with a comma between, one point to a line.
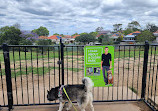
x=70, y=54
x=37, y=71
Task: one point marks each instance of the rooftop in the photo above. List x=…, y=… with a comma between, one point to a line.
x=54, y=37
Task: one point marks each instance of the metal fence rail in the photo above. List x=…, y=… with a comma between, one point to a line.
x=35, y=69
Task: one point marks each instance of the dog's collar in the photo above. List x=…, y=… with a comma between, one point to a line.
x=60, y=93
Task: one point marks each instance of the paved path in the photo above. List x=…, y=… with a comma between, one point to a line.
x=115, y=106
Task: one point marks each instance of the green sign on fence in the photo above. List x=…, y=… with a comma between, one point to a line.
x=99, y=64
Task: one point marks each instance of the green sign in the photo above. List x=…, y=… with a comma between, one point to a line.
x=99, y=64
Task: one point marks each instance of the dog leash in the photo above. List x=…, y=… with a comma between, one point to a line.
x=69, y=98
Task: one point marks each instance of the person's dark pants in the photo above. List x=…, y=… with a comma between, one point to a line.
x=105, y=77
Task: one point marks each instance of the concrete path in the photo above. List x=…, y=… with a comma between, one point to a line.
x=115, y=106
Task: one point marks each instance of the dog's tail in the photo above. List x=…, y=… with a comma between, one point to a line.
x=88, y=83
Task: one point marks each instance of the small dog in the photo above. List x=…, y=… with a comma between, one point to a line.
x=110, y=77
x=81, y=93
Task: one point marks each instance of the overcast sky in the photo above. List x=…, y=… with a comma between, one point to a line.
x=71, y=16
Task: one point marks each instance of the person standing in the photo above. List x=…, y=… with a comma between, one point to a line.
x=106, y=64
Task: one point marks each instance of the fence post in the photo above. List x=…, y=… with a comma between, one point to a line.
x=145, y=64
x=8, y=75
x=62, y=60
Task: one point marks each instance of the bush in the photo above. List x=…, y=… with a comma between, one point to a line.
x=44, y=42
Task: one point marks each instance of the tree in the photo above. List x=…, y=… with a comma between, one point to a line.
x=17, y=25
x=117, y=27
x=85, y=38
x=55, y=34
x=99, y=29
x=151, y=27
x=43, y=50
x=75, y=34
x=28, y=38
x=44, y=42
x=41, y=31
x=62, y=35
x=106, y=40
x=145, y=35
x=100, y=38
x=10, y=35
x=134, y=25
x=127, y=31
x=93, y=33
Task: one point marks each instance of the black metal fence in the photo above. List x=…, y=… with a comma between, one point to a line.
x=27, y=72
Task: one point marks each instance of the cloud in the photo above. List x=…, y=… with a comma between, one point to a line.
x=71, y=16
x=2, y=15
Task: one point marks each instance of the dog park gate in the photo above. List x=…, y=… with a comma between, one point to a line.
x=135, y=77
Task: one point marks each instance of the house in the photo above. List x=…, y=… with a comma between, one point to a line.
x=75, y=36
x=116, y=36
x=156, y=35
x=104, y=32
x=55, y=38
x=130, y=38
x=42, y=37
x=69, y=39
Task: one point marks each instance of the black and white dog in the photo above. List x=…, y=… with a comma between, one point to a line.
x=81, y=93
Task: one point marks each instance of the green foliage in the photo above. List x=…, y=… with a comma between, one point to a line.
x=75, y=34
x=44, y=42
x=120, y=39
x=106, y=40
x=99, y=29
x=85, y=38
x=17, y=25
x=117, y=27
x=41, y=31
x=133, y=90
x=25, y=42
x=145, y=35
x=127, y=31
x=62, y=35
x=151, y=27
x=93, y=33
x=10, y=35
x=100, y=38
x=55, y=34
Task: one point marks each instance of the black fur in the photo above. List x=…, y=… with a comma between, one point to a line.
x=74, y=92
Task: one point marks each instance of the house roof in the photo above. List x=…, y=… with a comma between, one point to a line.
x=135, y=33
x=156, y=32
x=54, y=37
x=75, y=36
x=43, y=37
x=116, y=34
x=99, y=35
x=67, y=36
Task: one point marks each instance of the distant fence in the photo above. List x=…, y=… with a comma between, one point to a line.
x=27, y=72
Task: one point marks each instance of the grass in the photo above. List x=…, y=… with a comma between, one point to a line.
x=133, y=90
x=36, y=71
x=55, y=54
